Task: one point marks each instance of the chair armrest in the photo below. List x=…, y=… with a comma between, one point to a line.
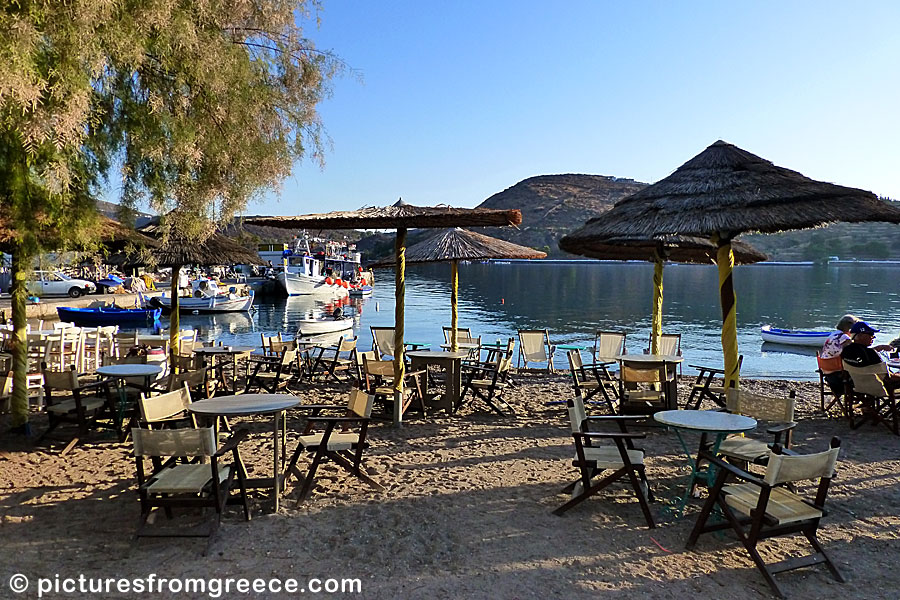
x=412, y=373
x=701, y=368
x=609, y=435
x=781, y=427
x=103, y=383
x=739, y=473
x=599, y=365
x=232, y=442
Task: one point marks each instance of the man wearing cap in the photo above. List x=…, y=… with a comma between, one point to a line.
x=859, y=354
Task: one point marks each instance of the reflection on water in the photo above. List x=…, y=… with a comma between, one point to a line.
x=575, y=300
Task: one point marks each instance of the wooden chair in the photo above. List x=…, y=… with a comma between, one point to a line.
x=831, y=374
x=337, y=442
x=383, y=341
x=608, y=345
x=621, y=457
x=588, y=381
x=170, y=408
x=645, y=388
x=125, y=341
x=770, y=508
x=199, y=381
x=169, y=484
x=708, y=385
x=69, y=400
x=96, y=344
x=487, y=381
x=379, y=383
x=535, y=346
x=273, y=373
x=865, y=389
x=267, y=343
x=775, y=413
x=343, y=358
x=669, y=345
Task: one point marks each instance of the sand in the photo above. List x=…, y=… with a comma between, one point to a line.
x=466, y=513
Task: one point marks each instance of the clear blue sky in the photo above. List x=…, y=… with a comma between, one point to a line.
x=459, y=100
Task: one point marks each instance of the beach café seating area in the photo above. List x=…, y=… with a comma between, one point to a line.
x=615, y=462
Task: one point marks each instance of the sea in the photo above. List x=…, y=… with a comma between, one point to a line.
x=573, y=300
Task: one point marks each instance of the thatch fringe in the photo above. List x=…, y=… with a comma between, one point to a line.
x=462, y=244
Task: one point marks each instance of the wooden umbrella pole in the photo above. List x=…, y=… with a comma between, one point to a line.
x=725, y=262
x=454, y=304
x=174, y=325
x=399, y=295
x=656, y=320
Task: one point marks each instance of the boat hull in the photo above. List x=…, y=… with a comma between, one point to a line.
x=297, y=284
x=308, y=327
x=102, y=317
x=215, y=304
x=361, y=292
x=793, y=337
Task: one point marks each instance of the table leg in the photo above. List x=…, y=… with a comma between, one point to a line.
x=276, y=472
x=454, y=385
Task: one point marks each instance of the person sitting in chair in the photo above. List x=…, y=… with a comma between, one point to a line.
x=337, y=314
x=859, y=354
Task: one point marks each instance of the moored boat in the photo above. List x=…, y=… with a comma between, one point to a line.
x=793, y=337
x=319, y=325
x=108, y=315
x=362, y=291
x=327, y=273
x=206, y=297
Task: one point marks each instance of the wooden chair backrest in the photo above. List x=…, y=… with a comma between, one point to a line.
x=652, y=373
x=609, y=344
x=279, y=346
x=783, y=468
x=504, y=361
x=267, y=340
x=174, y=442
x=6, y=383
x=383, y=340
x=360, y=403
x=575, y=363
x=759, y=406
x=125, y=360
x=165, y=406
x=534, y=344
x=60, y=380
x=347, y=345
x=670, y=344
x=829, y=365
x=577, y=414
x=868, y=380
x=189, y=378
x=361, y=357
x=462, y=333
x=378, y=368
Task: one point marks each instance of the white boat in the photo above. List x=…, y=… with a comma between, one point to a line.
x=361, y=291
x=793, y=337
x=327, y=273
x=206, y=297
x=319, y=325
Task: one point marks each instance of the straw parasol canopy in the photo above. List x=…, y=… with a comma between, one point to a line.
x=400, y=216
x=675, y=248
x=453, y=245
x=725, y=191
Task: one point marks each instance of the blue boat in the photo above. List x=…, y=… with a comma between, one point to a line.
x=793, y=337
x=108, y=315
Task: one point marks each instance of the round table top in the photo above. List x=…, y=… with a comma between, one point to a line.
x=436, y=354
x=467, y=345
x=244, y=404
x=705, y=420
x=650, y=358
x=224, y=349
x=127, y=370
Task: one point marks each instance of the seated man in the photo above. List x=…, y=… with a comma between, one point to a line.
x=859, y=354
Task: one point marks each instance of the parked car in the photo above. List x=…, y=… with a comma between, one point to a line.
x=54, y=283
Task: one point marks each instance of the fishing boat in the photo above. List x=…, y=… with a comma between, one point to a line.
x=793, y=337
x=361, y=291
x=108, y=315
x=206, y=297
x=327, y=273
x=311, y=326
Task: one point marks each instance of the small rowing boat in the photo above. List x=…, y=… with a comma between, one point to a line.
x=318, y=326
x=108, y=315
x=793, y=337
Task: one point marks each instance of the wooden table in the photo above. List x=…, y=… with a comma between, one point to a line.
x=665, y=361
x=704, y=422
x=254, y=404
x=233, y=351
x=451, y=362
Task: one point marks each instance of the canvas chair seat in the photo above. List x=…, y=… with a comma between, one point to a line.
x=744, y=448
x=184, y=479
x=608, y=457
x=66, y=406
x=337, y=441
x=784, y=506
x=487, y=383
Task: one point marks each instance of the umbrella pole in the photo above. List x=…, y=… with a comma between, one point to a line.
x=454, y=301
x=174, y=324
x=656, y=320
x=725, y=262
x=399, y=295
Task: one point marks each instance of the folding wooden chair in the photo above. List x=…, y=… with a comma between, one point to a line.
x=341, y=445
x=622, y=457
x=267, y=343
x=343, y=358
x=170, y=408
x=70, y=400
x=865, y=388
x=608, y=345
x=535, y=346
x=383, y=342
x=831, y=374
x=379, y=382
x=588, y=381
x=645, y=388
x=172, y=484
x=487, y=381
x=709, y=385
x=770, y=508
x=272, y=373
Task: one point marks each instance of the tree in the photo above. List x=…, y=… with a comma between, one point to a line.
x=193, y=106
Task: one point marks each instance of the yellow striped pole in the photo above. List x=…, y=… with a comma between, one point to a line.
x=656, y=319
x=174, y=323
x=454, y=300
x=399, y=295
x=725, y=262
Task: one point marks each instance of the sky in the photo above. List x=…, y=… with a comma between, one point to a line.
x=451, y=102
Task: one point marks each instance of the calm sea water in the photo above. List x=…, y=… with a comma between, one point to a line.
x=575, y=300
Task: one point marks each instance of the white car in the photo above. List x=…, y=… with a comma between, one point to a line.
x=54, y=283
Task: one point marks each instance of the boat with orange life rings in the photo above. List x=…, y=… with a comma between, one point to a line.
x=333, y=271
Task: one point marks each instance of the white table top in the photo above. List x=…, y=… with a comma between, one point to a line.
x=244, y=404
x=705, y=420
x=126, y=370
x=224, y=349
x=649, y=358
x=436, y=354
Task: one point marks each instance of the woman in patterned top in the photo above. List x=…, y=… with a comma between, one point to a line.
x=835, y=343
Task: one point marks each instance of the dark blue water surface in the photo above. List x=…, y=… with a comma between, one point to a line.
x=575, y=300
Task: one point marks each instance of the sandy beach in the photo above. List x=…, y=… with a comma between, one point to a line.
x=466, y=513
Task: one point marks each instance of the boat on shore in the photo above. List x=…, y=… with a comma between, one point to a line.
x=793, y=337
x=108, y=315
x=206, y=297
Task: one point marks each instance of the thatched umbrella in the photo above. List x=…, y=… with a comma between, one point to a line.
x=177, y=251
x=400, y=216
x=675, y=248
x=725, y=191
x=454, y=245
